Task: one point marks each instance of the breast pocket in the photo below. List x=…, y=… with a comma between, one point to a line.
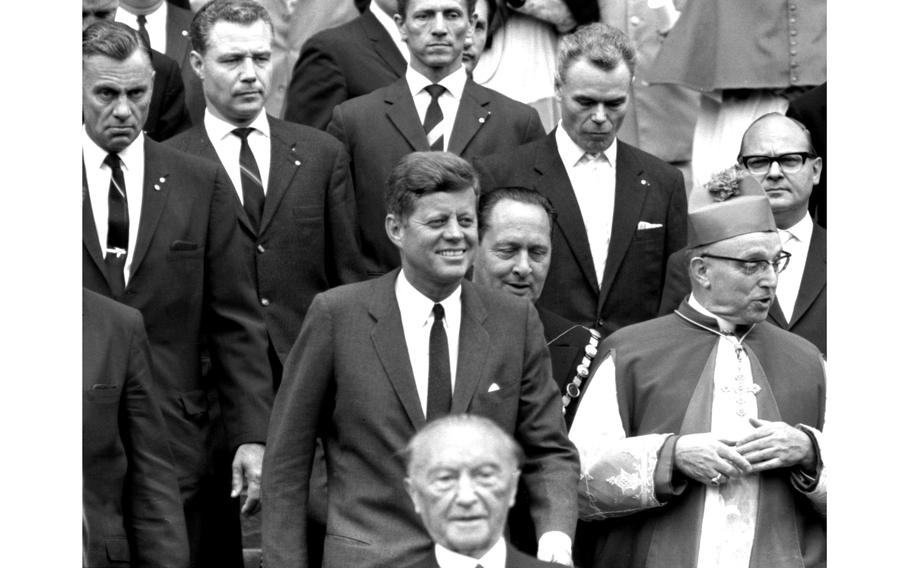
x=308, y=213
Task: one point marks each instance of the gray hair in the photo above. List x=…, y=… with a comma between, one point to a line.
x=605, y=46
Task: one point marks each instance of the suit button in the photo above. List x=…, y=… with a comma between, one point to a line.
x=264, y=301
x=260, y=249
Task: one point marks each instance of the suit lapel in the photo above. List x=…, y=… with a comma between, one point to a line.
x=284, y=165
x=177, y=38
x=632, y=187
x=555, y=184
x=89, y=230
x=155, y=190
x=814, y=274
x=473, y=345
x=388, y=340
x=472, y=113
x=383, y=44
x=403, y=114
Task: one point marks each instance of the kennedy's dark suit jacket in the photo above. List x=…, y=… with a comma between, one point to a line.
x=306, y=242
x=514, y=559
x=809, y=319
x=178, y=48
x=167, y=110
x=193, y=287
x=381, y=128
x=648, y=190
x=338, y=64
x=349, y=377
x=130, y=499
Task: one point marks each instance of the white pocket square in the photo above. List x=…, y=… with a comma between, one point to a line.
x=493, y=388
x=644, y=226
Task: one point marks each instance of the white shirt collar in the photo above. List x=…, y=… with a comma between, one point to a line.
x=133, y=156
x=724, y=324
x=494, y=558
x=802, y=230
x=219, y=129
x=416, y=308
x=453, y=82
x=571, y=153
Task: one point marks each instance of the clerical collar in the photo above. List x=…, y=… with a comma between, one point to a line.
x=494, y=558
x=725, y=326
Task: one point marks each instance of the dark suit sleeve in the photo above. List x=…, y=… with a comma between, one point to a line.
x=233, y=324
x=551, y=469
x=676, y=283
x=317, y=85
x=676, y=216
x=174, y=117
x=154, y=512
x=344, y=247
x=292, y=439
x=533, y=129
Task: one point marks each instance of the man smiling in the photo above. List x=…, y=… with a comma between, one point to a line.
x=375, y=361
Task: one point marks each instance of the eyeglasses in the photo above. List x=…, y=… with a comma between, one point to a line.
x=789, y=163
x=751, y=267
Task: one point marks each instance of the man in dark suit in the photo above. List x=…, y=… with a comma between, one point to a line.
x=173, y=250
x=167, y=114
x=779, y=152
x=620, y=212
x=168, y=28
x=344, y=62
x=811, y=108
x=463, y=475
x=462, y=117
x=361, y=374
x=299, y=235
x=130, y=499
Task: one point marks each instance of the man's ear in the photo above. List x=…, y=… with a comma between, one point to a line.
x=698, y=270
x=197, y=63
x=402, y=31
x=516, y=475
x=393, y=228
x=412, y=493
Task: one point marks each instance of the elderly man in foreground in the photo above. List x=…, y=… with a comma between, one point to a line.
x=463, y=472
x=714, y=446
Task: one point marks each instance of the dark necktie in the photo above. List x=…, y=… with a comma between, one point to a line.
x=439, y=384
x=143, y=32
x=118, y=226
x=432, y=122
x=250, y=181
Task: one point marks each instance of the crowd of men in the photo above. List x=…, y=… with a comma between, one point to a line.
x=407, y=326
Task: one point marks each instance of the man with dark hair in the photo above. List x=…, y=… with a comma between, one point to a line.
x=463, y=473
x=778, y=151
x=172, y=250
x=621, y=211
x=167, y=114
x=435, y=106
x=376, y=360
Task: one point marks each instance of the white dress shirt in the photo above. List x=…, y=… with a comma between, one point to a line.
x=448, y=101
x=227, y=146
x=155, y=24
x=98, y=177
x=594, y=185
x=417, y=321
x=794, y=240
x=494, y=558
x=388, y=23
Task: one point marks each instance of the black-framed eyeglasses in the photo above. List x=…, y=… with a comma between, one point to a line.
x=751, y=267
x=789, y=163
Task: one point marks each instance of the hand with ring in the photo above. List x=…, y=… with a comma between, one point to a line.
x=718, y=479
x=708, y=459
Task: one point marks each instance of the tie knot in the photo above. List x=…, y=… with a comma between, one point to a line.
x=438, y=312
x=435, y=90
x=112, y=161
x=141, y=19
x=242, y=133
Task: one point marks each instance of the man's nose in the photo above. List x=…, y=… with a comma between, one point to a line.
x=247, y=69
x=774, y=170
x=122, y=107
x=464, y=491
x=454, y=230
x=600, y=114
x=439, y=24
x=522, y=264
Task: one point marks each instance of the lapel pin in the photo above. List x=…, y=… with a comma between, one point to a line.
x=296, y=162
x=157, y=187
x=160, y=180
x=184, y=33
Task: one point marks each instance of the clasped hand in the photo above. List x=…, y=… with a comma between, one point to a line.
x=712, y=460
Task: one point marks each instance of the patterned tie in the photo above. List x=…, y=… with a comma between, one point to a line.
x=439, y=387
x=432, y=122
x=250, y=180
x=143, y=31
x=118, y=226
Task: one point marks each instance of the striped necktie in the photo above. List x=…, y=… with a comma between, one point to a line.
x=250, y=180
x=432, y=122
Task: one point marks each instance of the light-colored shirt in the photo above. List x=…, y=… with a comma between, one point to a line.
x=494, y=558
x=155, y=24
x=417, y=321
x=98, y=177
x=227, y=146
x=389, y=25
x=794, y=240
x=448, y=101
x=594, y=184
